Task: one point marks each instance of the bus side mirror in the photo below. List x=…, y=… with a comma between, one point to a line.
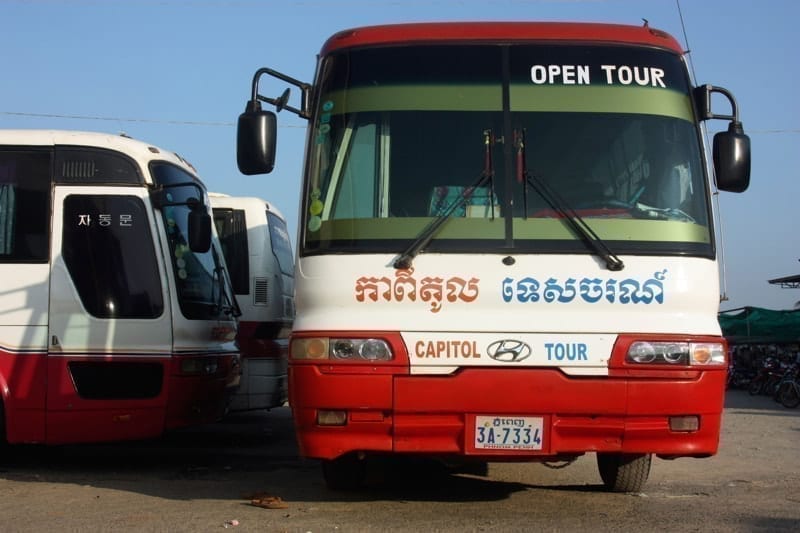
x=731, y=150
x=199, y=230
x=256, y=134
x=731, y=153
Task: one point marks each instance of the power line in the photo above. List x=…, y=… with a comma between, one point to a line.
x=231, y=124
x=299, y=3
x=773, y=131
x=117, y=119
x=122, y=119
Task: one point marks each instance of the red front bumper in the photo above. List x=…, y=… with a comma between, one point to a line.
x=433, y=414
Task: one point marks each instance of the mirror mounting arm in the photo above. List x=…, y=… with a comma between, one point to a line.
x=703, y=97
x=280, y=102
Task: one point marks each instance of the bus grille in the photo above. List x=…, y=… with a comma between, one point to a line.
x=261, y=291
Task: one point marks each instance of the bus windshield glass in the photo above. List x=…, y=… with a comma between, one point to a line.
x=202, y=284
x=401, y=133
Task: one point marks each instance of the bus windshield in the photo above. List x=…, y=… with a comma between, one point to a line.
x=203, y=286
x=401, y=133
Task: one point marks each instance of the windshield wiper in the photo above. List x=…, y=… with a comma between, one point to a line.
x=557, y=204
x=227, y=302
x=422, y=240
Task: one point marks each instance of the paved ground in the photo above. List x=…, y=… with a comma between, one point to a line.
x=202, y=479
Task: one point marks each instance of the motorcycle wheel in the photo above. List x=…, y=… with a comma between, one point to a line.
x=755, y=387
x=789, y=395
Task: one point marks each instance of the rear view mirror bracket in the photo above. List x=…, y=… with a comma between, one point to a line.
x=702, y=98
x=281, y=102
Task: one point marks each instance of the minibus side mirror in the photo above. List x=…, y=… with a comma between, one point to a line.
x=199, y=230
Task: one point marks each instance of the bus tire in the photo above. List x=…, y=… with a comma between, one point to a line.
x=624, y=472
x=344, y=473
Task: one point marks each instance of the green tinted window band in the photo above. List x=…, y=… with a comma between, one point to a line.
x=417, y=98
x=617, y=99
x=535, y=229
x=636, y=100
x=615, y=230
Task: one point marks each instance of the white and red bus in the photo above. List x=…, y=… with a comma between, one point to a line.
x=258, y=252
x=506, y=247
x=116, y=314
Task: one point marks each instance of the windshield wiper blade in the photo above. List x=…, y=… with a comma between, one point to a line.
x=560, y=206
x=577, y=223
x=404, y=260
x=227, y=302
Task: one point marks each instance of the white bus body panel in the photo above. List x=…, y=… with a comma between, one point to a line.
x=449, y=311
x=23, y=307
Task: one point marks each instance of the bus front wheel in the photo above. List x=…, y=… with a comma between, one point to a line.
x=624, y=472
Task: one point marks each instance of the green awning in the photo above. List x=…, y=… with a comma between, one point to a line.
x=756, y=325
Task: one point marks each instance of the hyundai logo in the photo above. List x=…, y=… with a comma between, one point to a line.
x=509, y=351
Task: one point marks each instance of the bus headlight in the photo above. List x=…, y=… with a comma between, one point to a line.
x=676, y=353
x=363, y=349
x=199, y=366
x=342, y=349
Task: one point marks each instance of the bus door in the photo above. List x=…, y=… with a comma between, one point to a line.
x=110, y=336
x=24, y=269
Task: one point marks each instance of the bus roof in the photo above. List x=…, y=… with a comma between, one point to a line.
x=444, y=32
x=243, y=202
x=136, y=149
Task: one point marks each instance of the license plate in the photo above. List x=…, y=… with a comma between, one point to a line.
x=509, y=432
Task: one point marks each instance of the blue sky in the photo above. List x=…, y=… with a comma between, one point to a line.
x=177, y=74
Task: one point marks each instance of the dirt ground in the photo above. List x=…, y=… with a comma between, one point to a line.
x=203, y=479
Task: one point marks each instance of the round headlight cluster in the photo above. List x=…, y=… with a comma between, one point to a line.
x=673, y=353
x=676, y=353
x=365, y=349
